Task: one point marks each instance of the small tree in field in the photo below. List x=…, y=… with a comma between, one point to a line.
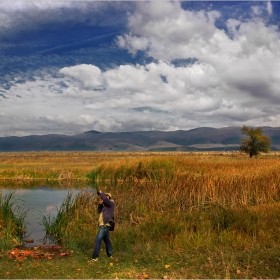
x=255, y=142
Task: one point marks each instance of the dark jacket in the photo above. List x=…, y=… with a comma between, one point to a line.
x=107, y=208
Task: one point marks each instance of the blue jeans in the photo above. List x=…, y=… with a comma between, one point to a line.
x=102, y=234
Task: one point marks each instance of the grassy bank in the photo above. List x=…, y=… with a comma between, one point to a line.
x=178, y=216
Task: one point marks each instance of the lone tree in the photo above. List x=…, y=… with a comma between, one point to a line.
x=255, y=142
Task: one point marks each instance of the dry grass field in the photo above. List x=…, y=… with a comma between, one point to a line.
x=75, y=165
x=62, y=165
x=179, y=214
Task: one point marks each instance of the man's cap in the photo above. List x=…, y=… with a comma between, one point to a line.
x=109, y=194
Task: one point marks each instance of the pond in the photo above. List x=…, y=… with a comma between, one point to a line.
x=41, y=199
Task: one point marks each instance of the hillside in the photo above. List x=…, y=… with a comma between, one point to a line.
x=198, y=139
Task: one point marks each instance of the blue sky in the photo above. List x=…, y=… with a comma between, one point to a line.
x=73, y=66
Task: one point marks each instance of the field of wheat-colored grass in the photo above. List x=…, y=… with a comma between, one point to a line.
x=204, y=215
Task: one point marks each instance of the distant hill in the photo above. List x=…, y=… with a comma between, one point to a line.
x=198, y=139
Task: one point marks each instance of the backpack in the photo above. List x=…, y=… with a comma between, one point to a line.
x=112, y=225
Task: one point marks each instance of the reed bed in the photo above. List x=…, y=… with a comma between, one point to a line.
x=73, y=224
x=195, y=182
x=12, y=226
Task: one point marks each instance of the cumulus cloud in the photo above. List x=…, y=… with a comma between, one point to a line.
x=230, y=77
x=269, y=7
x=29, y=15
x=173, y=32
x=89, y=76
x=244, y=65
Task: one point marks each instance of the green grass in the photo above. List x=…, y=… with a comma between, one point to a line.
x=12, y=225
x=153, y=262
x=73, y=223
x=207, y=242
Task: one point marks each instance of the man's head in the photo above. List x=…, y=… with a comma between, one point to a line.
x=109, y=195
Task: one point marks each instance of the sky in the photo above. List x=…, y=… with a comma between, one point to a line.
x=72, y=66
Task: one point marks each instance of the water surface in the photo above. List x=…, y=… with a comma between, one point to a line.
x=38, y=200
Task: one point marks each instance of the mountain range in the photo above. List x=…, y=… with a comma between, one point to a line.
x=198, y=139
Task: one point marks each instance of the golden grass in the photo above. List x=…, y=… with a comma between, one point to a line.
x=190, y=179
x=30, y=165
x=207, y=215
x=68, y=165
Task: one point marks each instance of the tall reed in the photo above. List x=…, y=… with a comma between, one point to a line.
x=173, y=200
x=199, y=181
x=12, y=225
x=203, y=205
x=73, y=224
x=150, y=170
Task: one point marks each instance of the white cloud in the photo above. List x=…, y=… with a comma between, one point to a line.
x=249, y=58
x=256, y=10
x=269, y=7
x=233, y=78
x=27, y=15
x=172, y=33
x=88, y=75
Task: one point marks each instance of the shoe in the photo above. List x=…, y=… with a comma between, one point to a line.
x=94, y=260
x=110, y=257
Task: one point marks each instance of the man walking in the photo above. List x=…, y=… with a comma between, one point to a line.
x=106, y=209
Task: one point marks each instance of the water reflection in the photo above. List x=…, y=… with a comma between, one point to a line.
x=41, y=199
